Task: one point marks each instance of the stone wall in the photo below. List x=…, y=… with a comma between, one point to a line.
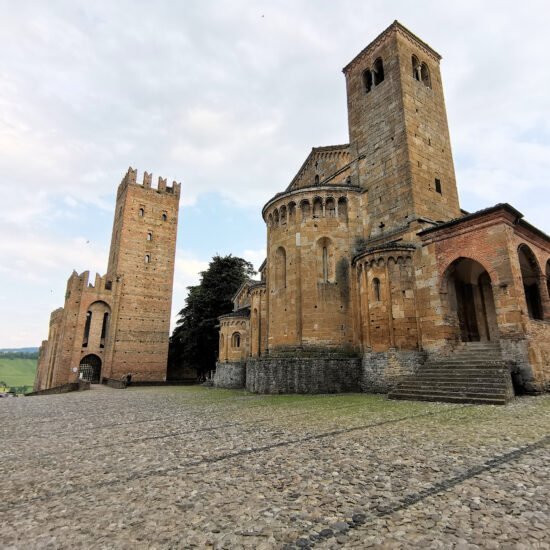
x=81, y=385
x=230, y=375
x=538, y=334
x=303, y=374
x=383, y=370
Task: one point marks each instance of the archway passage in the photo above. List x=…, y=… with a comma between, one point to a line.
x=90, y=368
x=471, y=300
x=530, y=274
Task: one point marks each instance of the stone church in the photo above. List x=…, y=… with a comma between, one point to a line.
x=375, y=279
x=119, y=323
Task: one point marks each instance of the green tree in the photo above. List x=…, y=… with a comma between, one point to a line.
x=194, y=342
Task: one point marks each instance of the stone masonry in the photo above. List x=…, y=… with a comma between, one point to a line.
x=370, y=257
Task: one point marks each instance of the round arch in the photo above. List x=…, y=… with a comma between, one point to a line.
x=470, y=300
x=90, y=368
x=531, y=276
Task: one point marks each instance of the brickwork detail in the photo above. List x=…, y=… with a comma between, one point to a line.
x=119, y=323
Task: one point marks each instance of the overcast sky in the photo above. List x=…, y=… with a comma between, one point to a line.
x=228, y=97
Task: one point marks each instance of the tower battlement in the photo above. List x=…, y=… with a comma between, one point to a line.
x=130, y=178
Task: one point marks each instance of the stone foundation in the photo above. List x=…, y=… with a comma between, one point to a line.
x=230, y=375
x=382, y=370
x=303, y=375
x=516, y=356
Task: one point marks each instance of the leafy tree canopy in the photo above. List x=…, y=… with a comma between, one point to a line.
x=194, y=342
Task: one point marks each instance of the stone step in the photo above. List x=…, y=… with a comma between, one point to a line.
x=436, y=395
x=500, y=392
x=462, y=372
x=445, y=398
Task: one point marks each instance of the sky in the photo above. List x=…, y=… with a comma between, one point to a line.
x=228, y=97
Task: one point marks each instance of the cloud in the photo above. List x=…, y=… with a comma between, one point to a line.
x=228, y=97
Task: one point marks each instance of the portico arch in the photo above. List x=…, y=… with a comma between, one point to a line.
x=471, y=301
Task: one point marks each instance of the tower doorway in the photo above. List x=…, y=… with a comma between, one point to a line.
x=471, y=300
x=90, y=368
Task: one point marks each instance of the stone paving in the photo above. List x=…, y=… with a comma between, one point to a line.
x=193, y=467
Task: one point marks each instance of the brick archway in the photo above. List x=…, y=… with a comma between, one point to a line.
x=470, y=300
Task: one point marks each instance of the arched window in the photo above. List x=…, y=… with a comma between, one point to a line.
x=306, y=210
x=164, y=217
x=530, y=274
x=367, y=81
x=378, y=70
x=283, y=215
x=276, y=218
x=141, y=212
x=236, y=340
x=292, y=212
x=149, y=235
x=147, y=258
x=316, y=179
x=425, y=75
x=376, y=289
x=280, y=268
x=270, y=220
x=330, y=208
x=317, y=207
x=416, y=68
x=343, y=209
x=87, y=325
x=326, y=260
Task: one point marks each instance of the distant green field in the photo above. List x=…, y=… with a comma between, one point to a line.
x=17, y=372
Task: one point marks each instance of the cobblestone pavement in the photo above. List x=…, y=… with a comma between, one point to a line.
x=186, y=467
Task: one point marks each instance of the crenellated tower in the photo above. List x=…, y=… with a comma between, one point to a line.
x=119, y=323
x=143, y=248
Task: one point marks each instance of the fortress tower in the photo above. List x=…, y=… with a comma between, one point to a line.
x=119, y=324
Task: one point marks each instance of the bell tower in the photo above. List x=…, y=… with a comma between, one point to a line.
x=398, y=130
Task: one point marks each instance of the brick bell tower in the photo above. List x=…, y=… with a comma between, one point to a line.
x=141, y=258
x=398, y=129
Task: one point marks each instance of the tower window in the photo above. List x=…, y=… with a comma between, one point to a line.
x=425, y=75
x=87, y=329
x=164, y=216
x=378, y=71
x=149, y=235
x=316, y=179
x=141, y=212
x=416, y=68
x=147, y=258
x=438, y=185
x=367, y=81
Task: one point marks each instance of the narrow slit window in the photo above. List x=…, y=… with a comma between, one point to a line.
x=376, y=288
x=87, y=329
x=104, y=329
x=147, y=258
x=164, y=217
x=149, y=235
x=141, y=212
x=438, y=185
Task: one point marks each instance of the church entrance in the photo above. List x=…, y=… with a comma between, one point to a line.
x=90, y=368
x=471, y=300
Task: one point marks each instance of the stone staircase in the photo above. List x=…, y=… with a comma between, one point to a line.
x=474, y=373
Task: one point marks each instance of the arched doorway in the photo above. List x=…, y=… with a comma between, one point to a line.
x=530, y=275
x=471, y=300
x=90, y=368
